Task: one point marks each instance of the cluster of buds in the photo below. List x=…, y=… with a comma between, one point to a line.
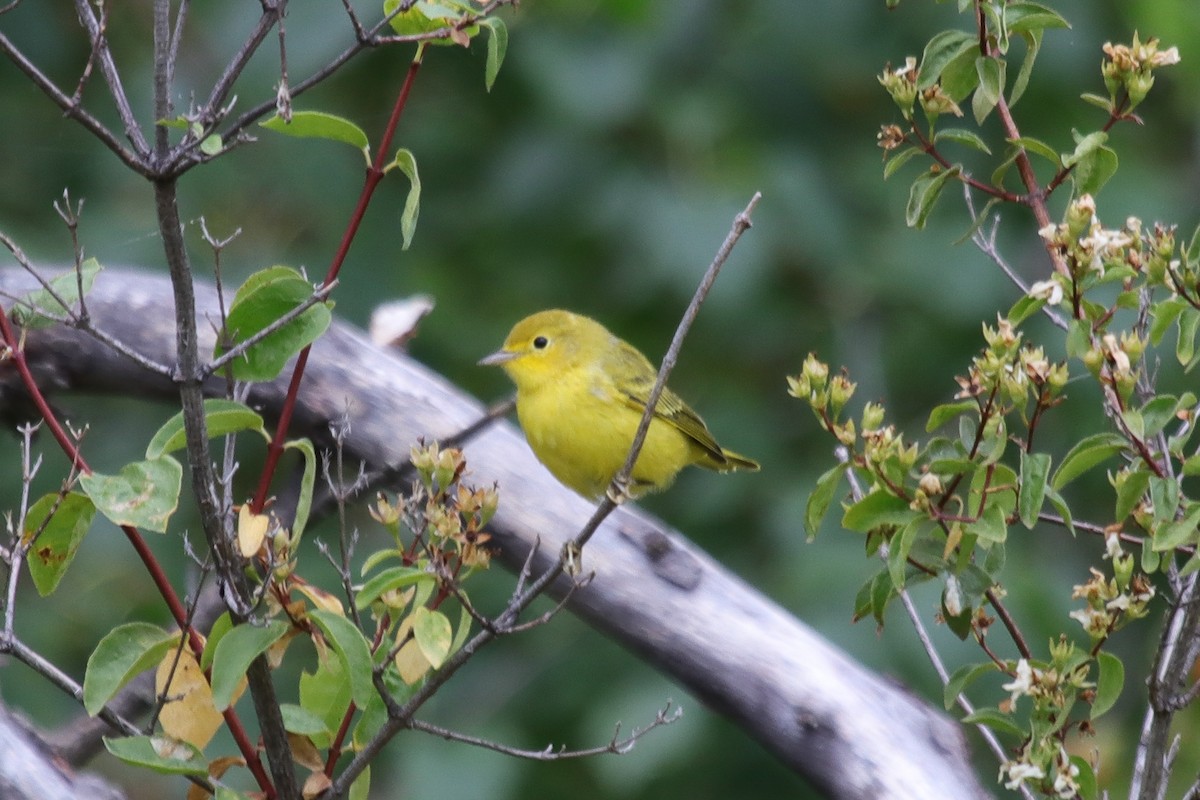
x=1011, y=370
x=826, y=395
x=448, y=515
x=1114, y=359
x=1112, y=602
x=1053, y=685
x=1131, y=67
x=901, y=85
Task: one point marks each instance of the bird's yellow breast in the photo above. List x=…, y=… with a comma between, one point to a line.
x=581, y=430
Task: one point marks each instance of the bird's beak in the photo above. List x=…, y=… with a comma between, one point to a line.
x=497, y=358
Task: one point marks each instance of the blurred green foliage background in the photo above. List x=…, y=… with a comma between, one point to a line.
x=600, y=174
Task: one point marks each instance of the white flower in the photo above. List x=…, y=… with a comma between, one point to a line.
x=1050, y=291
x=1019, y=772
x=1118, y=603
x=1023, y=683
x=1112, y=546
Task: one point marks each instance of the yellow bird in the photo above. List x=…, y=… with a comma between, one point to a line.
x=581, y=393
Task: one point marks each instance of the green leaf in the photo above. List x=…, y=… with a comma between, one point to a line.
x=1163, y=315
x=1100, y=101
x=307, y=481
x=963, y=136
x=991, y=527
x=1035, y=469
x=924, y=194
x=388, y=580
x=1185, y=349
x=1024, y=17
x=319, y=125
x=234, y=654
x=1159, y=411
x=222, y=417
x=212, y=145
x=1109, y=684
x=898, y=549
x=143, y=494
x=158, y=753
x=821, y=497
x=991, y=72
x=60, y=537
x=897, y=160
x=1060, y=505
x=963, y=677
x=1085, y=779
x=1038, y=148
x=406, y=163
x=877, y=508
x=948, y=411
x=326, y=692
x=873, y=597
x=943, y=48
x=1093, y=171
x=959, y=77
x=125, y=652
x=1178, y=532
x=1130, y=492
x=36, y=309
x=1086, y=454
x=222, y=626
x=997, y=721
x=1164, y=497
x=433, y=633
x=1084, y=145
x=303, y=722
x=352, y=650
x=1024, y=308
x=1033, y=45
x=265, y=297
x=425, y=16
x=497, y=47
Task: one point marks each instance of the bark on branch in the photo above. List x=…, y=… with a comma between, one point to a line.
x=848, y=731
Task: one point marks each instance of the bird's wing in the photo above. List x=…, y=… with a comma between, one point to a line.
x=638, y=376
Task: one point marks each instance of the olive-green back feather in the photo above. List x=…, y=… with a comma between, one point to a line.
x=638, y=380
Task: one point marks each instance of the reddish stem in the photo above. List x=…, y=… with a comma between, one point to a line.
x=165, y=589
x=373, y=177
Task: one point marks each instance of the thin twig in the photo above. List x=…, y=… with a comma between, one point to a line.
x=108, y=66
x=617, y=746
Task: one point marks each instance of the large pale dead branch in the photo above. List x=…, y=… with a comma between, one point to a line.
x=847, y=730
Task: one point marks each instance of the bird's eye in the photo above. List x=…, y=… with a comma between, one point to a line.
x=540, y=343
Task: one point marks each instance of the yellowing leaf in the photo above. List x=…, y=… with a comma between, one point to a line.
x=433, y=633
x=252, y=530
x=410, y=661
x=188, y=714
x=315, y=785
x=321, y=598
x=305, y=753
